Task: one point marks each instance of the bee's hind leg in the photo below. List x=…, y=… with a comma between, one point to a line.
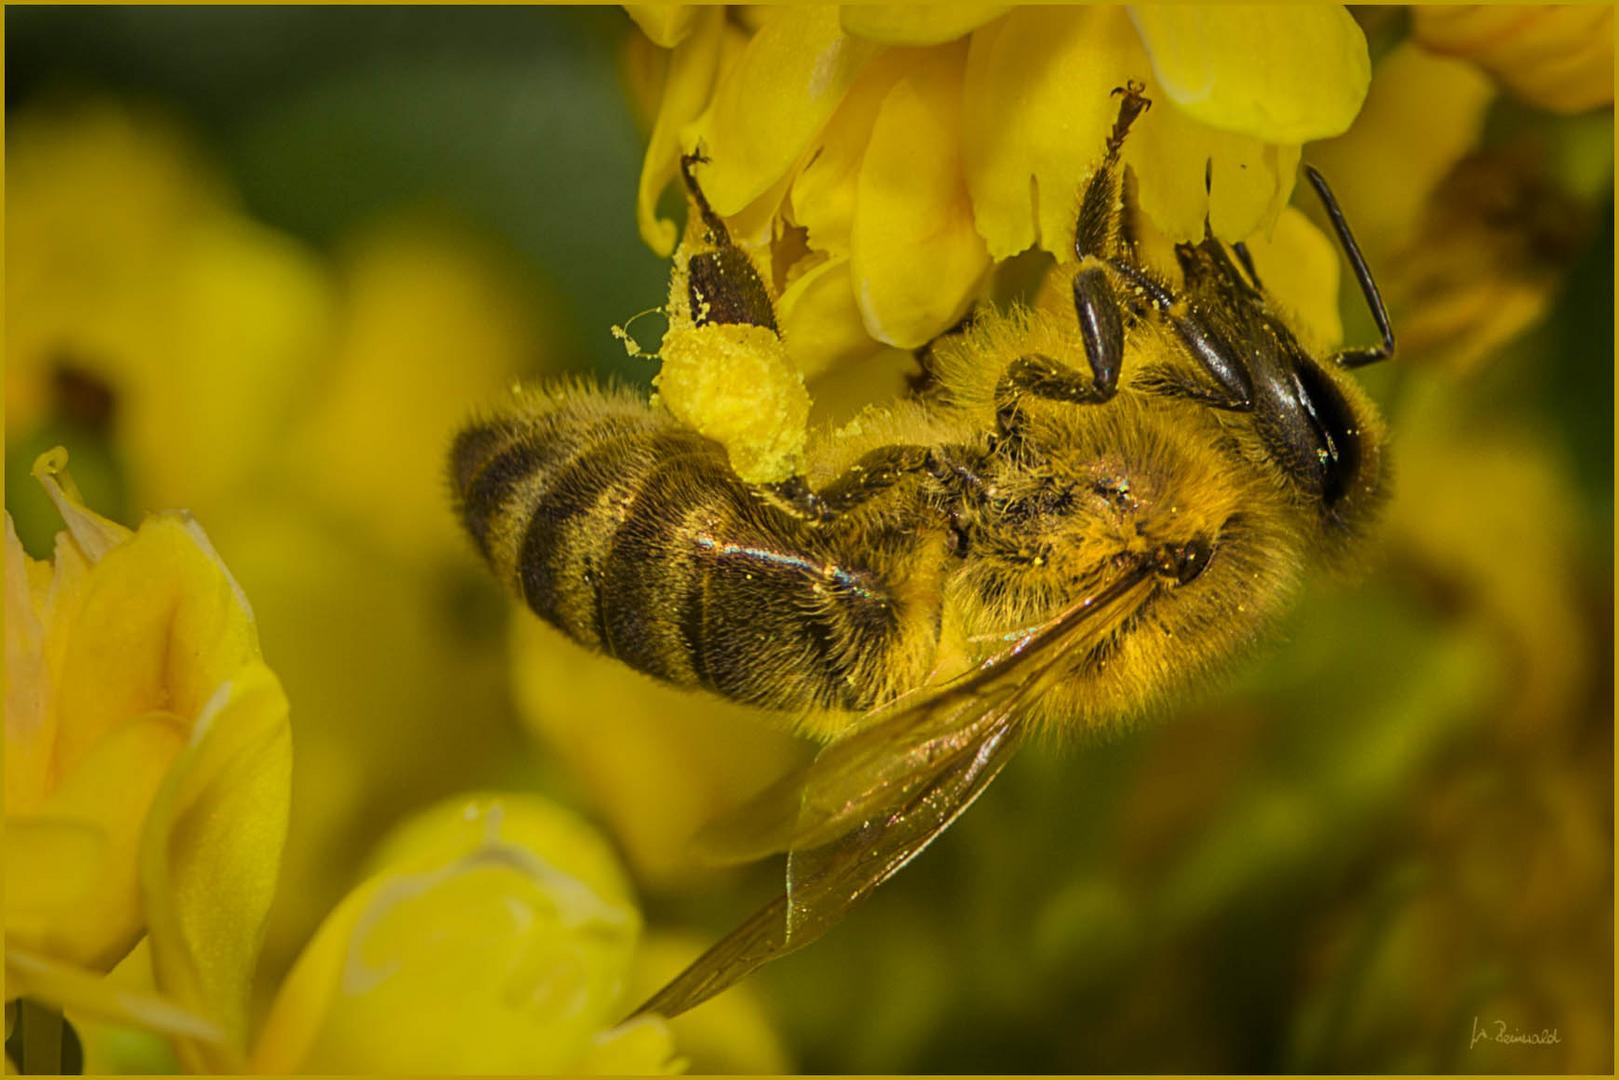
x=875, y=473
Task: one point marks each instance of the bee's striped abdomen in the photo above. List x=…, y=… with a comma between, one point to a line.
x=632, y=535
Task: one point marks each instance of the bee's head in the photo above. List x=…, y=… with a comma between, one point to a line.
x=1325, y=437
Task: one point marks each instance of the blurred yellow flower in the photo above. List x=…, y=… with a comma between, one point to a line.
x=1556, y=56
x=431, y=323
x=1470, y=241
x=127, y=269
x=147, y=766
x=495, y=934
x=656, y=763
x=923, y=145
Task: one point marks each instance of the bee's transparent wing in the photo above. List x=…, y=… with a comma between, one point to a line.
x=870, y=803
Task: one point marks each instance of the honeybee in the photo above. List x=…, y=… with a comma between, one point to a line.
x=1092, y=507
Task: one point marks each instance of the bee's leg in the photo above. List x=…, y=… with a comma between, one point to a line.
x=1353, y=358
x=1099, y=234
x=875, y=473
x=717, y=233
x=722, y=284
x=1245, y=257
x=1233, y=387
x=1208, y=259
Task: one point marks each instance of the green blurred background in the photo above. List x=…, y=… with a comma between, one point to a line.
x=1393, y=824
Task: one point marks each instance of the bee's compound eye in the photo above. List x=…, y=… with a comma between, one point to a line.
x=1183, y=563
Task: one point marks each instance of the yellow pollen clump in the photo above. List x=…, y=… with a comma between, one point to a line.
x=735, y=384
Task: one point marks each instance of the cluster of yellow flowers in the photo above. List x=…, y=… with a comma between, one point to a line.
x=191, y=355
x=169, y=872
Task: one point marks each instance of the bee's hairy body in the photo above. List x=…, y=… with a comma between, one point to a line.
x=632, y=535
x=939, y=530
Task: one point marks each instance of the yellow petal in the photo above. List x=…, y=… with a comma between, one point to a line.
x=462, y=825
x=114, y=1045
x=497, y=961
x=30, y=725
x=51, y=864
x=639, y=1047
x=820, y=320
x=1036, y=112
x=823, y=192
x=162, y=624
x=415, y=293
x=686, y=88
x=658, y=763
x=732, y=1034
x=770, y=103
x=1187, y=172
x=94, y=534
x=196, y=426
x=210, y=853
x=1280, y=73
x=29, y=974
x=917, y=257
x=917, y=24
x=1300, y=266
x=1559, y=57
x=666, y=24
x=1384, y=169
x=105, y=800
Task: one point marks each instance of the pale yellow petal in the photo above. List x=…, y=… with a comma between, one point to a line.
x=820, y=320
x=687, y=84
x=94, y=534
x=770, y=103
x=1300, y=266
x=1179, y=164
x=1036, y=112
x=30, y=731
x=917, y=24
x=1282, y=73
x=916, y=257
x=496, y=962
x=107, y=798
x=460, y=826
x=162, y=623
x=210, y=853
x=666, y=24
x=33, y=975
x=823, y=192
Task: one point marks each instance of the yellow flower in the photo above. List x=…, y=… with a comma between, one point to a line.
x=128, y=269
x=1559, y=57
x=656, y=763
x=878, y=163
x=923, y=145
x=1469, y=242
x=495, y=934
x=147, y=774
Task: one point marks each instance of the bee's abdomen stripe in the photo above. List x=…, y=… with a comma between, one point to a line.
x=575, y=522
x=485, y=494
x=491, y=463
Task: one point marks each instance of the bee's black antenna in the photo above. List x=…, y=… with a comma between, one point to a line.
x=1354, y=358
